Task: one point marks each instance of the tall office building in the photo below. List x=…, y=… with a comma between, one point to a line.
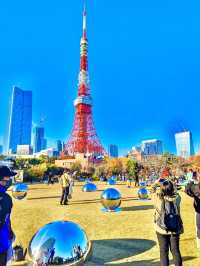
x=40, y=143
x=20, y=119
x=59, y=146
x=44, y=144
x=113, y=151
x=184, y=144
x=152, y=147
x=1, y=149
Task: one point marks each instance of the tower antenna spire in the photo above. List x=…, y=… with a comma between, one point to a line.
x=84, y=19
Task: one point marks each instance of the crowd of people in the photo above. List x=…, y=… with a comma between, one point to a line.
x=167, y=216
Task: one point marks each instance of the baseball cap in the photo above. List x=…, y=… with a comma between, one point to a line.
x=5, y=171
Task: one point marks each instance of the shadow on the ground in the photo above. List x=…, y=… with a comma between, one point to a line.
x=97, y=201
x=78, y=201
x=105, y=251
x=138, y=208
x=186, y=258
x=110, y=250
x=37, y=188
x=40, y=198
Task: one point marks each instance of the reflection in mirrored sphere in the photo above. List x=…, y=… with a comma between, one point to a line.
x=111, y=199
x=114, y=177
x=142, y=184
x=59, y=243
x=143, y=193
x=89, y=187
x=19, y=191
x=183, y=183
x=87, y=180
x=111, y=182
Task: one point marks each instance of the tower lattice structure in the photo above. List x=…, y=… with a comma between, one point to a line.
x=83, y=137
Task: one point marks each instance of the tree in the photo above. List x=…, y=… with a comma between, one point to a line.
x=114, y=166
x=100, y=171
x=34, y=161
x=90, y=170
x=76, y=167
x=2, y=157
x=22, y=163
x=132, y=168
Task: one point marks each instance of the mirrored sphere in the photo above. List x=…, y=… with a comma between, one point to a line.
x=111, y=199
x=142, y=184
x=111, y=182
x=143, y=193
x=19, y=191
x=59, y=243
x=89, y=187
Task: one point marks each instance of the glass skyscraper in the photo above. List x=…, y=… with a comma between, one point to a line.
x=59, y=146
x=20, y=125
x=184, y=144
x=40, y=142
x=152, y=147
x=113, y=151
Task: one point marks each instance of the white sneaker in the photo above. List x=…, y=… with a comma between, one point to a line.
x=198, y=242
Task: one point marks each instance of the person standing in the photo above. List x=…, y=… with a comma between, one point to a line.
x=65, y=183
x=6, y=233
x=193, y=190
x=71, y=184
x=50, y=178
x=168, y=223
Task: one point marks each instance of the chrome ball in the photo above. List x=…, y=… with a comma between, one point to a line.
x=89, y=187
x=142, y=184
x=111, y=199
x=59, y=243
x=19, y=191
x=143, y=193
x=111, y=182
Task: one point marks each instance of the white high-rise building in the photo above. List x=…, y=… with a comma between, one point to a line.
x=184, y=144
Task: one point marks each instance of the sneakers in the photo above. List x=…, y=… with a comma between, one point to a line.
x=198, y=242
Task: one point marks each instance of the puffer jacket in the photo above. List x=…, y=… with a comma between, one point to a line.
x=5, y=225
x=193, y=190
x=157, y=204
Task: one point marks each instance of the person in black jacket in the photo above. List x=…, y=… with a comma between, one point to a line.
x=6, y=233
x=193, y=190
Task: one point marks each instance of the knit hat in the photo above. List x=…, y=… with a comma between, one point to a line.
x=5, y=171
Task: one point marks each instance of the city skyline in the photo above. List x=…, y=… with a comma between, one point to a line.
x=149, y=90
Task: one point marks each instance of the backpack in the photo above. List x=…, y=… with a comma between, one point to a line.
x=169, y=218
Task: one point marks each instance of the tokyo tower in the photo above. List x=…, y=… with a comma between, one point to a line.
x=83, y=137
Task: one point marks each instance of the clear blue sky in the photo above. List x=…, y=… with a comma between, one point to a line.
x=144, y=65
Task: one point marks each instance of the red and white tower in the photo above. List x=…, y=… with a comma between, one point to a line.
x=83, y=137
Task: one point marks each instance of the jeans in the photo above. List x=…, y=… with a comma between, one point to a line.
x=64, y=196
x=3, y=259
x=171, y=242
x=198, y=224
